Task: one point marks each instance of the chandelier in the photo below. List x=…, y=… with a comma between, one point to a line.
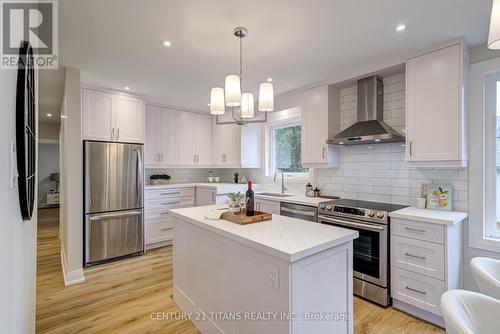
x=241, y=105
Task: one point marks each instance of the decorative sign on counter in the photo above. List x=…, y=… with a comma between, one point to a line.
x=439, y=197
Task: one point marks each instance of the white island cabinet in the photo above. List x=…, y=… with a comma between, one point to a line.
x=279, y=276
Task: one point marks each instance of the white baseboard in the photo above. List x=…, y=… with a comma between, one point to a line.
x=70, y=277
x=419, y=313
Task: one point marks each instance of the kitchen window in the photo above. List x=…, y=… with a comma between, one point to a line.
x=284, y=147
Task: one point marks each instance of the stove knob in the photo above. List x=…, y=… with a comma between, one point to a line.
x=380, y=214
x=329, y=207
x=322, y=207
x=371, y=213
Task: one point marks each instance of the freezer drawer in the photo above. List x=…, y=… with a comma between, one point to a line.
x=114, y=234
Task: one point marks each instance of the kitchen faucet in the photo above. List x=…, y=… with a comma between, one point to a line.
x=283, y=188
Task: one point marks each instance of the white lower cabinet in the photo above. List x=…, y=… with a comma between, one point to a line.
x=426, y=261
x=158, y=221
x=267, y=206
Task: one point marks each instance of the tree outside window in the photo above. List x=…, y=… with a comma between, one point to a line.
x=287, y=149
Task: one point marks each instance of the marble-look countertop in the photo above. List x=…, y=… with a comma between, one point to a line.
x=430, y=216
x=288, y=238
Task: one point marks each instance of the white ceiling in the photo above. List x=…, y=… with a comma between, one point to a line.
x=50, y=95
x=116, y=43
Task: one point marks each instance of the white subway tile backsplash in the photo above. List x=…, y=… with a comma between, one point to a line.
x=379, y=172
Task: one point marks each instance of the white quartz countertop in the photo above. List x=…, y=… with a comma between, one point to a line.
x=295, y=199
x=287, y=238
x=430, y=216
x=221, y=188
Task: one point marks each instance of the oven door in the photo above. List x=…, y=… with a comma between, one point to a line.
x=369, y=250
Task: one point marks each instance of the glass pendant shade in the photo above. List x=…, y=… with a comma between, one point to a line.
x=233, y=90
x=494, y=35
x=266, y=97
x=247, y=107
x=217, y=106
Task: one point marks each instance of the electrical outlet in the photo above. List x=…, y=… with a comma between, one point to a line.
x=274, y=277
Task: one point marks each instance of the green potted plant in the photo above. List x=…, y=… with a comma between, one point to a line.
x=235, y=202
x=159, y=179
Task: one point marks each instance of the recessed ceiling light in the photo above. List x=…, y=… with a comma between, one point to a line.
x=126, y=88
x=269, y=79
x=49, y=115
x=166, y=43
x=400, y=27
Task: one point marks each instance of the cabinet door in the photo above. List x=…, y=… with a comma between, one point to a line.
x=97, y=115
x=434, y=106
x=151, y=149
x=205, y=196
x=315, y=126
x=186, y=137
x=267, y=206
x=129, y=119
x=227, y=145
x=168, y=141
x=251, y=146
x=203, y=139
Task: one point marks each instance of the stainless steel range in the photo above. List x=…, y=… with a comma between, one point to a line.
x=371, y=249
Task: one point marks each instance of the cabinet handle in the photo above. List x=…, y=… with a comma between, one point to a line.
x=164, y=213
x=113, y=134
x=118, y=134
x=161, y=157
x=171, y=193
x=411, y=145
x=194, y=158
x=165, y=229
x=414, y=230
x=173, y=202
x=415, y=256
x=197, y=158
x=324, y=153
x=415, y=290
x=213, y=197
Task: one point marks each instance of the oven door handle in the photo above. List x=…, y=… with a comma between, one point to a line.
x=370, y=227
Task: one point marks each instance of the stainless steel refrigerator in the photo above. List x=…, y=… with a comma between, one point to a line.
x=114, y=214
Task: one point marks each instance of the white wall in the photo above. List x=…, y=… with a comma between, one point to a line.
x=48, y=163
x=48, y=131
x=17, y=237
x=71, y=157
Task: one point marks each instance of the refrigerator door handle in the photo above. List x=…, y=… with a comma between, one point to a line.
x=115, y=215
x=139, y=176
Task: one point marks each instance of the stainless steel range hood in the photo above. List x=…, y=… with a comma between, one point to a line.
x=369, y=127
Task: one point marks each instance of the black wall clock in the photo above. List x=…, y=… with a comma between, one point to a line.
x=25, y=130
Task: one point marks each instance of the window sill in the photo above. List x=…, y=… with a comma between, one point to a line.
x=491, y=243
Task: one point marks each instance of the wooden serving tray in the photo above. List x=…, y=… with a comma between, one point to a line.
x=243, y=219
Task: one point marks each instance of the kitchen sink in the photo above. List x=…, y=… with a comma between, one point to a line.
x=274, y=194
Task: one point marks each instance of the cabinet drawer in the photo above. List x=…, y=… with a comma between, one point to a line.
x=421, y=257
x=169, y=193
x=417, y=290
x=159, y=231
x=169, y=203
x=418, y=230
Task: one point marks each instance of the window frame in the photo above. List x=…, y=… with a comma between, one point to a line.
x=271, y=128
x=482, y=226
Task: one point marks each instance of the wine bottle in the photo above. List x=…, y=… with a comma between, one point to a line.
x=250, y=200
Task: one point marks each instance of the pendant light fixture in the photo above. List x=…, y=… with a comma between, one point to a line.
x=494, y=35
x=241, y=105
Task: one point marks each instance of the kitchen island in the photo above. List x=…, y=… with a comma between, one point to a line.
x=280, y=276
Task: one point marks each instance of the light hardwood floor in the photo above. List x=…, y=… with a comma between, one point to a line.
x=120, y=297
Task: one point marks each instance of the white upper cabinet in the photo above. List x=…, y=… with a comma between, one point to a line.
x=251, y=146
x=187, y=138
x=227, y=145
x=98, y=108
x=435, y=110
x=151, y=142
x=317, y=122
x=161, y=136
x=112, y=117
x=129, y=119
x=203, y=148
x=168, y=136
